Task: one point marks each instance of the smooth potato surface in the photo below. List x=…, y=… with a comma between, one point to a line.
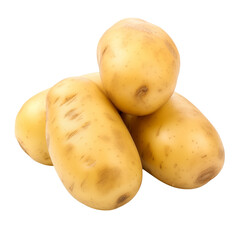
x=30, y=128
x=139, y=65
x=90, y=147
x=177, y=144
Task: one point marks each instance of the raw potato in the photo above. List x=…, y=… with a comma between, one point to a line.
x=90, y=147
x=30, y=128
x=177, y=144
x=139, y=65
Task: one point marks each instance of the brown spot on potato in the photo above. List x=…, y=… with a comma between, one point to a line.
x=161, y=165
x=147, y=154
x=158, y=131
x=56, y=99
x=141, y=91
x=109, y=116
x=104, y=50
x=68, y=99
x=69, y=148
x=108, y=179
x=175, y=165
x=89, y=162
x=70, y=112
x=204, y=156
x=86, y=125
x=71, y=134
x=122, y=199
x=71, y=187
x=206, y=175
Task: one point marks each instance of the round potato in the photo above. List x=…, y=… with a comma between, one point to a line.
x=30, y=128
x=177, y=144
x=139, y=65
x=90, y=147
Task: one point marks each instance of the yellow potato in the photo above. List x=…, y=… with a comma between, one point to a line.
x=139, y=65
x=90, y=147
x=30, y=128
x=177, y=144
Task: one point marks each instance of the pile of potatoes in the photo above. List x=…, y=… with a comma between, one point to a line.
x=101, y=129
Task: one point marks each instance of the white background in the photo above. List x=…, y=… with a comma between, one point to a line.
x=43, y=42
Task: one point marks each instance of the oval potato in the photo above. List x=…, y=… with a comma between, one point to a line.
x=177, y=144
x=139, y=65
x=90, y=147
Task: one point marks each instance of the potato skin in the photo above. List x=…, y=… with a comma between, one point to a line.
x=177, y=144
x=139, y=65
x=30, y=128
x=90, y=147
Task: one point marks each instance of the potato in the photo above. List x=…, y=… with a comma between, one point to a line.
x=177, y=144
x=90, y=147
x=139, y=65
x=30, y=128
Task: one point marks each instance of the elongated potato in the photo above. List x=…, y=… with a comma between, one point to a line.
x=139, y=65
x=177, y=144
x=90, y=147
x=30, y=128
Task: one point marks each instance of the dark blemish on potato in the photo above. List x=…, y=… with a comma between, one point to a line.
x=175, y=165
x=69, y=112
x=89, y=162
x=69, y=148
x=206, y=175
x=171, y=49
x=86, y=125
x=158, y=131
x=83, y=183
x=107, y=179
x=122, y=199
x=141, y=91
x=71, y=187
x=23, y=147
x=56, y=99
x=104, y=50
x=204, y=156
x=71, y=134
x=161, y=165
x=147, y=153
x=109, y=116
x=68, y=99
x=159, y=90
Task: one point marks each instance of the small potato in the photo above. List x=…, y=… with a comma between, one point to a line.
x=90, y=147
x=30, y=128
x=177, y=144
x=139, y=65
